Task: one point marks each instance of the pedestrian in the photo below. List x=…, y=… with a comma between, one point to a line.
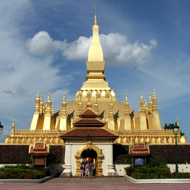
x=91, y=168
x=82, y=170
x=87, y=172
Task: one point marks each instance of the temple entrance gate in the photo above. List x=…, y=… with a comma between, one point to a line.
x=86, y=151
x=89, y=155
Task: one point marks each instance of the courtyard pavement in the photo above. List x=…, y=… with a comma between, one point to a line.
x=107, y=183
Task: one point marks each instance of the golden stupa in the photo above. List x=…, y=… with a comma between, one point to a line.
x=47, y=125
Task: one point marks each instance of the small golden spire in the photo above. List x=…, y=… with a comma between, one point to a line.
x=37, y=96
x=154, y=94
x=13, y=123
x=146, y=106
x=141, y=95
x=178, y=121
x=150, y=96
x=13, y=127
x=126, y=99
x=95, y=18
x=64, y=98
x=49, y=97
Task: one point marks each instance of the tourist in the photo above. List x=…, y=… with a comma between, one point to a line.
x=91, y=167
x=82, y=170
x=87, y=173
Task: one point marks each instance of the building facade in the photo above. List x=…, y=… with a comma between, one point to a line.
x=119, y=123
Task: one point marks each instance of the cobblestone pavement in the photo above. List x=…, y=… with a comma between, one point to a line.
x=93, y=184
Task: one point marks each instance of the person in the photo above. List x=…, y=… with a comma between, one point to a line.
x=91, y=168
x=82, y=170
x=87, y=170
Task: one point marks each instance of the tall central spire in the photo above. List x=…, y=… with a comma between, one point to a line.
x=95, y=19
x=95, y=79
x=95, y=52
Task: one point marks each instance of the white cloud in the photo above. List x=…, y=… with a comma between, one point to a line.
x=42, y=44
x=21, y=74
x=117, y=49
x=77, y=49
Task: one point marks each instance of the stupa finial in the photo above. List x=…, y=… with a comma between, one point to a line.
x=95, y=18
x=178, y=121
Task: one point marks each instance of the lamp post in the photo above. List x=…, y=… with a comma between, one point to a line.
x=1, y=128
x=176, y=130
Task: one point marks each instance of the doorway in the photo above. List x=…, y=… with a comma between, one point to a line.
x=89, y=150
x=90, y=156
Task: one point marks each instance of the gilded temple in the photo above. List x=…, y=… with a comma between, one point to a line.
x=129, y=126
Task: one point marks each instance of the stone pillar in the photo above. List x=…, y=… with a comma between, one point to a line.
x=111, y=169
x=67, y=167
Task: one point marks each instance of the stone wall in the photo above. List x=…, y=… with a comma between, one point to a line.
x=14, y=154
x=168, y=152
x=18, y=154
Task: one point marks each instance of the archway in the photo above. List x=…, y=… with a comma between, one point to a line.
x=89, y=155
x=89, y=150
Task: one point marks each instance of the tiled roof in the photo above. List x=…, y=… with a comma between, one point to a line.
x=88, y=132
x=33, y=151
x=139, y=150
x=88, y=114
x=88, y=122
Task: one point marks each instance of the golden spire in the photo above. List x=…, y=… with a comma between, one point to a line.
x=126, y=98
x=146, y=107
x=141, y=109
x=150, y=103
x=142, y=100
x=127, y=109
x=95, y=51
x=154, y=94
x=178, y=121
x=48, y=105
x=49, y=97
x=37, y=106
x=95, y=18
x=154, y=102
x=37, y=96
x=13, y=123
x=64, y=100
x=63, y=109
x=13, y=127
x=41, y=105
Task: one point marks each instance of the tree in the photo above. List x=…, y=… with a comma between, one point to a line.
x=172, y=126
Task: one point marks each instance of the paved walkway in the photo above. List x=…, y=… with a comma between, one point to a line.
x=98, y=180
x=92, y=184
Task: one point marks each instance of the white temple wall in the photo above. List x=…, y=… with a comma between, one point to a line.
x=120, y=168
x=74, y=146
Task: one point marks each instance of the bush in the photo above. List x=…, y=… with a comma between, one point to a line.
x=155, y=168
x=22, y=172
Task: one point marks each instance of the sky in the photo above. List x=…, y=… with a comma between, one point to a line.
x=44, y=46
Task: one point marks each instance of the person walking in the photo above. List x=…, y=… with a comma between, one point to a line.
x=82, y=170
x=87, y=172
x=91, y=168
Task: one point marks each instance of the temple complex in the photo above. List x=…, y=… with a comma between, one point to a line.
x=94, y=120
